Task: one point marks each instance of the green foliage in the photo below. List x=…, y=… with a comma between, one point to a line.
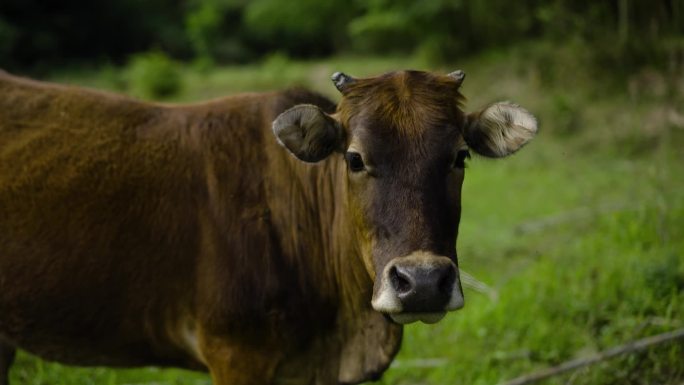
x=622, y=33
x=203, y=26
x=619, y=34
x=406, y=26
x=216, y=32
x=154, y=75
x=300, y=28
x=383, y=30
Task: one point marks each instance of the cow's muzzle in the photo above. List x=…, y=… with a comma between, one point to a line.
x=418, y=287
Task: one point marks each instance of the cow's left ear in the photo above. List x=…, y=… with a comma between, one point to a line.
x=499, y=129
x=308, y=133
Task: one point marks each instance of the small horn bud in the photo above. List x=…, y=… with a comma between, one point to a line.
x=341, y=80
x=458, y=75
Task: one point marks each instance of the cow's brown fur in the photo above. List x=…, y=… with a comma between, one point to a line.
x=409, y=102
x=134, y=233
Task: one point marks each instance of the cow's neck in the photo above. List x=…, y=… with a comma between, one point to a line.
x=309, y=207
x=323, y=237
x=345, y=244
x=297, y=251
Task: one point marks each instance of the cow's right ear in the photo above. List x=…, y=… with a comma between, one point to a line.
x=308, y=133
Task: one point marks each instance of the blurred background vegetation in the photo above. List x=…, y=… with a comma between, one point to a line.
x=132, y=38
x=579, y=237
x=37, y=36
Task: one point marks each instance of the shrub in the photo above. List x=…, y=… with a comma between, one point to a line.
x=300, y=28
x=153, y=75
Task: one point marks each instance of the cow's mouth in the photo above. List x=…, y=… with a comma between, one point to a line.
x=427, y=318
x=419, y=287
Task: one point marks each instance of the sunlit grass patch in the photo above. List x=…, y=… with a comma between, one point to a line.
x=29, y=370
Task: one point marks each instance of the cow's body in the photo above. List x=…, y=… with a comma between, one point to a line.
x=134, y=233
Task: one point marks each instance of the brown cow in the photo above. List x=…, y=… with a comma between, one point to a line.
x=134, y=233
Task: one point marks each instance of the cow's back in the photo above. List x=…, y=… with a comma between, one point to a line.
x=87, y=208
x=110, y=214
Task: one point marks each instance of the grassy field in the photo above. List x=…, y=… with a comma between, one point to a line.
x=580, y=236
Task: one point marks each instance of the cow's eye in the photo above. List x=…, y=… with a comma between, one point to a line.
x=460, y=161
x=355, y=161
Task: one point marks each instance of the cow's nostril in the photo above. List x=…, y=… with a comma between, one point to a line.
x=446, y=282
x=400, y=281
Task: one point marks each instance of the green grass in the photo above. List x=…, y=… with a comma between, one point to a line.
x=581, y=234
x=30, y=370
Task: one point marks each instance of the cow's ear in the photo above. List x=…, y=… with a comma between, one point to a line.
x=308, y=132
x=499, y=129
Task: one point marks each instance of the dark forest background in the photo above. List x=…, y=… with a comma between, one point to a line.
x=39, y=35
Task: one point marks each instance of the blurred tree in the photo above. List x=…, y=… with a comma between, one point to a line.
x=617, y=33
x=153, y=75
x=301, y=27
x=216, y=31
x=46, y=33
x=441, y=30
x=621, y=34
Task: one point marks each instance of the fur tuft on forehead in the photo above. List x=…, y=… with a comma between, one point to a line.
x=405, y=102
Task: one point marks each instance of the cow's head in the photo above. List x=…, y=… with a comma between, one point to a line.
x=405, y=140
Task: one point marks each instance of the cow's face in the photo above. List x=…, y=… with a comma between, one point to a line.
x=405, y=141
